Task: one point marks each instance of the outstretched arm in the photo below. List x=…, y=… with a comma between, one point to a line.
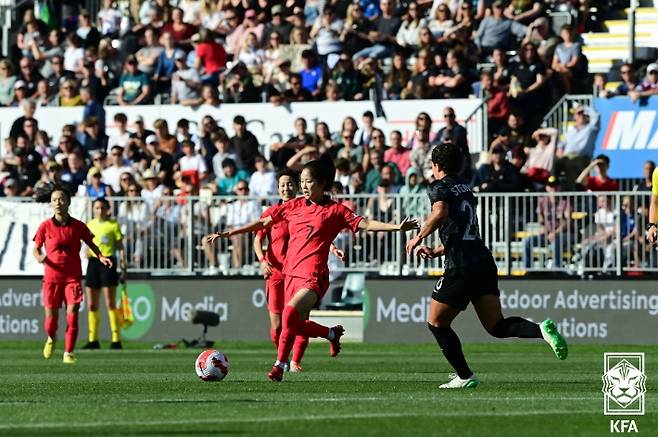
x=438, y=214
x=251, y=227
x=377, y=226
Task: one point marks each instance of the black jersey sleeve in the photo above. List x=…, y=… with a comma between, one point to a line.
x=438, y=192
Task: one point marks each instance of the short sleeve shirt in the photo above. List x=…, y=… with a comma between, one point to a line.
x=107, y=234
x=312, y=228
x=62, y=244
x=277, y=236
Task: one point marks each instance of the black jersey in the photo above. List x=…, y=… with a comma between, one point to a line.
x=460, y=231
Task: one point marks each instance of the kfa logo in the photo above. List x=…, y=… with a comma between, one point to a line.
x=624, y=387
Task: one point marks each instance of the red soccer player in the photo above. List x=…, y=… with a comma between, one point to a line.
x=313, y=221
x=271, y=263
x=61, y=235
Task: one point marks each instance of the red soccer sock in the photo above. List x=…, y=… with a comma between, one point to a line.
x=274, y=335
x=290, y=326
x=71, y=331
x=314, y=330
x=51, y=327
x=299, y=348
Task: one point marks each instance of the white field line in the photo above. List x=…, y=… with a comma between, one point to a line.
x=314, y=418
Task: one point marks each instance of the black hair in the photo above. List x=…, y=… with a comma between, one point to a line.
x=448, y=156
x=120, y=117
x=604, y=158
x=291, y=174
x=322, y=170
x=369, y=114
x=228, y=162
x=238, y=119
x=102, y=200
x=62, y=189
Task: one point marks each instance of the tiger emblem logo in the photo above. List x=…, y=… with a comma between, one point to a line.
x=624, y=383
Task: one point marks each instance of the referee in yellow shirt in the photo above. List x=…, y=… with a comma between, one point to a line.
x=652, y=231
x=108, y=238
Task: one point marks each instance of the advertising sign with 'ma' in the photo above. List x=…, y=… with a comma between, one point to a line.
x=628, y=134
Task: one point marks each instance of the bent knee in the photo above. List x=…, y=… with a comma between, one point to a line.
x=437, y=323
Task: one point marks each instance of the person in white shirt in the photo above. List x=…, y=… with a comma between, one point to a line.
x=112, y=174
x=191, y=164
x=224, y=151
x=239, y=213
x=602, y=241
x=263, y=180
x=152, y=190
x=363, y=135
x=109, y=18
x=121, y=136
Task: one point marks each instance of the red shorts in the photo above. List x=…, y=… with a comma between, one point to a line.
x=55, y=293
x=318, y=285
x=275, y=295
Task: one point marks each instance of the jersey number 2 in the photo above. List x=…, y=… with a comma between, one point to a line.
x=471, y=232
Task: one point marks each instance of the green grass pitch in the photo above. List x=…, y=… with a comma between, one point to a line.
x=367, y=390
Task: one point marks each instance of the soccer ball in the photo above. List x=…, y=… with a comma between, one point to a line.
x=211, y=365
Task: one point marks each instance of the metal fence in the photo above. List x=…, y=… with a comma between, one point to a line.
x=575, y=233
x=559, y=116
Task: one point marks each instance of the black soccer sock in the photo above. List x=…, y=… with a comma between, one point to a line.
x=516, y=327
x=452, y=349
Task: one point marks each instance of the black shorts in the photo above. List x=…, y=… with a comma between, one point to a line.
x=99, y=275
x=459, y=287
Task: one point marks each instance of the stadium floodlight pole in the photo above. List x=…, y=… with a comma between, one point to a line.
x=631, y=32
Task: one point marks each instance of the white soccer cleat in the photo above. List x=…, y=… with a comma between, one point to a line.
x=457, y=382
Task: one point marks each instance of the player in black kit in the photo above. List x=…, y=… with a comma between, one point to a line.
x=470, y=273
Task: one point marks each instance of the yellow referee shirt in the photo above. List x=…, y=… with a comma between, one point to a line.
x=654, y=182
x=106, y=234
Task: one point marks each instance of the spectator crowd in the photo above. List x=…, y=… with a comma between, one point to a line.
x=215, y=52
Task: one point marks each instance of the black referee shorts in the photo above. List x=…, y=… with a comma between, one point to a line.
x=460, y=286
x=99, y=275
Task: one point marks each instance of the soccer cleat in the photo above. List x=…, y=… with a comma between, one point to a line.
x=334, y=345
x=48, y=348
x=92, y=345
x=68, y=358
x=457, y=382
x=554, y=339
x=295, y=368
x=116, y=345
x=276, y=374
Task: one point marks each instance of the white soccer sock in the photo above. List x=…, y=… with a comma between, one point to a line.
x=280, y=364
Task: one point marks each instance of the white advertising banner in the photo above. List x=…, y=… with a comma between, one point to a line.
x=19, y=222
x=268, y=122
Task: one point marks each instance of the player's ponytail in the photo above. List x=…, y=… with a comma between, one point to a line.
x=322, y=170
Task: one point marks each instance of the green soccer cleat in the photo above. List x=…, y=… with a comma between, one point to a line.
x=554, y=339
x=48, y=348
x=457, y=382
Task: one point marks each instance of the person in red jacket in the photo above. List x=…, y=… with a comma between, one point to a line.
x=61, y=235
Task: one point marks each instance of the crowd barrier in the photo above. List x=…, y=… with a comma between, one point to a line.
x=575, y=233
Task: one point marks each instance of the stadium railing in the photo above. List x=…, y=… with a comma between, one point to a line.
x=599, y=234
x=592, y=237
x=560, y=117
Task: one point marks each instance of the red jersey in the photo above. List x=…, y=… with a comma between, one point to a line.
x=595, y=183
x=312, y=228
x=62, y=241
x=277, y=235
x=212, y=55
